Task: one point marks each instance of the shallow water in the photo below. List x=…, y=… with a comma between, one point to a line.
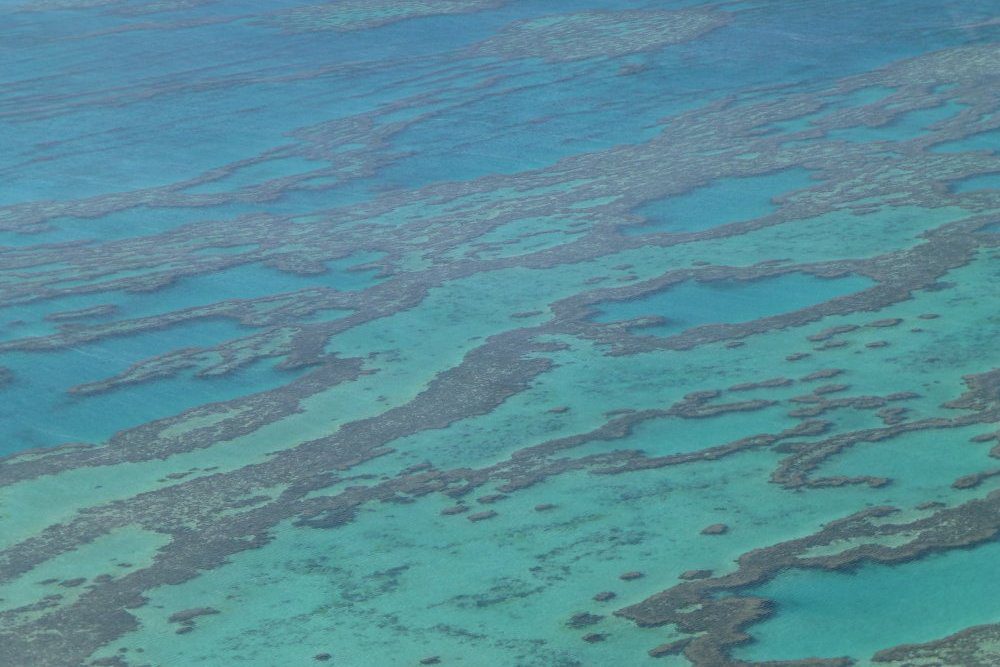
x=728, y=200
x=690, y=304
x=951, y=596
x=321, y=334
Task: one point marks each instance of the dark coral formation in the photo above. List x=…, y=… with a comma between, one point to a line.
x=190, y=614
x=583, y=620
x=976, y=647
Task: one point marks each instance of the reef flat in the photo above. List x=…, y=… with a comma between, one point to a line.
x=495, y=332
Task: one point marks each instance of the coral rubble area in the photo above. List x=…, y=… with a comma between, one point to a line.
x=499, y=332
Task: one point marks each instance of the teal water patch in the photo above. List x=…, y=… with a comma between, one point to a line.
x=245, y=281
x=934, y=460
x=248, y=281
x=830, y=614
x=27, y=320
x=723, y=201
x=909, y=125
x=978, y=182
x=981, y=141
x=36, y=411
x=693, y=303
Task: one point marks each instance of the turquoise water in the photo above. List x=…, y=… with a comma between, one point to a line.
x=690, y=303
x=319, y=292
x=984, y=182
x=951, y=596
x=909, y=125
x=978, y=141
x=241, y=282
x=725, y=201
x=37, y=411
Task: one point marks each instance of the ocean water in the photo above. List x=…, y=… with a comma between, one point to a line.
x=691, y=304
x=499, y=332
x=729, y=200
x=982, y=182
x=951, y=597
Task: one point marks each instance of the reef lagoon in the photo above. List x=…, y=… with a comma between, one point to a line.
x=499, y=333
